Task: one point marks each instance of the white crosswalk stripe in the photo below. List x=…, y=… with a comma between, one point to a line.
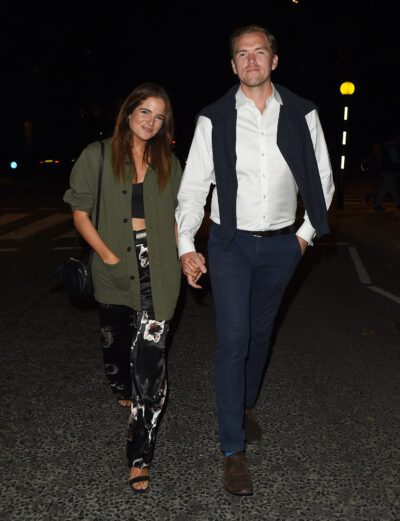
x=18, y=225
x=35, y=227
x=68, y=235
x=11, y=217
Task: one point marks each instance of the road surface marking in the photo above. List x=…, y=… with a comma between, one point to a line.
x=68, y=248
x=361, y=271
x=31, y=229
x=11, y=217
x=9, y=249
x=69, y=235
x=385, y=294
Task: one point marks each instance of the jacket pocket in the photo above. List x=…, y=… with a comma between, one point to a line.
x=116, y=273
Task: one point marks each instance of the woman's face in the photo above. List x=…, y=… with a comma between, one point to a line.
x=147, y=119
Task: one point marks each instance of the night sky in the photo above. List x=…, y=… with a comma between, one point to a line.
x=68, y=64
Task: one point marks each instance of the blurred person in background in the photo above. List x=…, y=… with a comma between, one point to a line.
x=390, y=173
x=371, y=167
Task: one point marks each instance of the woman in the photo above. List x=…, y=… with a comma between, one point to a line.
x=136, y=271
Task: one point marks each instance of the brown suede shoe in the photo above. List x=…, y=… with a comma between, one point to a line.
x=252, y=428
x=237, y=479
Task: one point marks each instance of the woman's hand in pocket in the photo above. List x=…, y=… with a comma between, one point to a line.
x=111, y=259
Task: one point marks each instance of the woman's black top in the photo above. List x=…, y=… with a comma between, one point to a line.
x=137, y=201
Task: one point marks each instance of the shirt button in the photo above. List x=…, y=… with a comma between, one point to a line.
x=125, y=220
x=132, y=277
x=128, y=248
x=124, y=192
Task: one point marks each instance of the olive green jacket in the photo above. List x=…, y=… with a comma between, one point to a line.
x=119, y=283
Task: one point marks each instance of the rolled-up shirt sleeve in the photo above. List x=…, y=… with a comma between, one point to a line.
x=82, y=192
x=306, y=230
x=198, y=175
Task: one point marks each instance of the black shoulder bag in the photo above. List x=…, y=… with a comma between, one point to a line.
x=76, y=273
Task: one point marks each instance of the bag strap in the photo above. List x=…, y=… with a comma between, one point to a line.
x=99, y=183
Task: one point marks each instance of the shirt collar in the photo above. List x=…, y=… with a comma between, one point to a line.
x=242, y=100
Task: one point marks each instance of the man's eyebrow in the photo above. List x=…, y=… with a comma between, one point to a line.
x=262, y=47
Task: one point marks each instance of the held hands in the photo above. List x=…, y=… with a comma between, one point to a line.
x=193, y=266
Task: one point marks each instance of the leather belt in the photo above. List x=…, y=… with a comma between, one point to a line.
x=271, y=233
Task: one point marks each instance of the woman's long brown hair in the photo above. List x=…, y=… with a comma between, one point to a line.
x=157, y=150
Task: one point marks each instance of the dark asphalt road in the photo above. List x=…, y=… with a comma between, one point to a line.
x=330, y=404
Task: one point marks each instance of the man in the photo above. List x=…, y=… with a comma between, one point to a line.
x=258, y=144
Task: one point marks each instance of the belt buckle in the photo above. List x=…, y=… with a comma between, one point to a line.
x=255, y=234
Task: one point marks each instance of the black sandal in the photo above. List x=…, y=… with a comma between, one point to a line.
x=138, y=479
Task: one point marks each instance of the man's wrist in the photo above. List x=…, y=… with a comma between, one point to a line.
x=185, y=245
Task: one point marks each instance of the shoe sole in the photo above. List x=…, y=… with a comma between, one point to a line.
x=238, y=493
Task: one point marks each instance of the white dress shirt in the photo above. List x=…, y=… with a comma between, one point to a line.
x=267, y=192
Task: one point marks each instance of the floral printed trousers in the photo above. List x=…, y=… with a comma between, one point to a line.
x=133, y=349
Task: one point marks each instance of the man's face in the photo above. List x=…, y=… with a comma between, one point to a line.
x=253, y=60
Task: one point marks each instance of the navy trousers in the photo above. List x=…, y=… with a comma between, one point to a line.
x=248, y=282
